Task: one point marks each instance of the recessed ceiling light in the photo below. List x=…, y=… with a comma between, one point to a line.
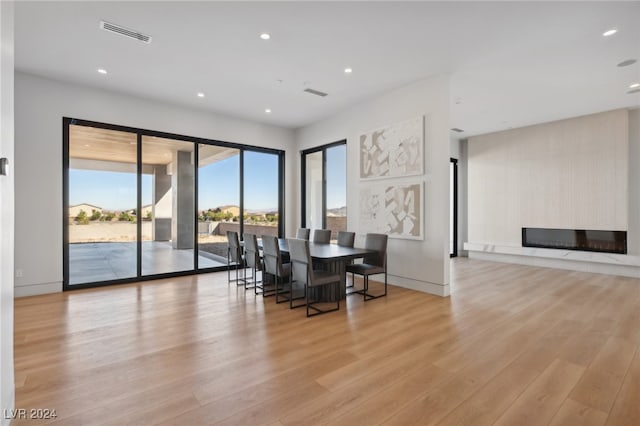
x=627, y=63
x=634, y=85
x=200, y=95
x=348, y=70
x=265, y=36
x=87, y=145
x=267, y=110
x=610, y=32
x=102, y=71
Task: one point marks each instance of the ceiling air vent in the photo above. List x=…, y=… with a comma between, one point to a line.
x=455, y=129
x=315, y=92
x=125, y=32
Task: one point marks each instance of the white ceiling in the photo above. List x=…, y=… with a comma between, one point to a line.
x=511, y=63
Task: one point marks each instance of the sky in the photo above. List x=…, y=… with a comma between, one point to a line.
x=337, y=177
x=218, y=184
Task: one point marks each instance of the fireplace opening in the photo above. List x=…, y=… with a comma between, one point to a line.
x=576, y=239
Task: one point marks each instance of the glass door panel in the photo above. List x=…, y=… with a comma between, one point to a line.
x=261, y=193
x=218, y=202
x=168, y=205
x=313, y=191
x=102, y=218
x=336, y=177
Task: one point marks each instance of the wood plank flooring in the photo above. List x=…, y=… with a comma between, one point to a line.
x=513, y=345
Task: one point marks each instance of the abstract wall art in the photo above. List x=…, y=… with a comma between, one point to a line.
x=393, y=151
x=393, y=209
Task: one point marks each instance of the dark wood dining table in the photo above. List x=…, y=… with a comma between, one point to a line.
x=333, y=257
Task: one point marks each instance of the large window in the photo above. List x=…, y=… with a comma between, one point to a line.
x=324, y=183
x=141, y=204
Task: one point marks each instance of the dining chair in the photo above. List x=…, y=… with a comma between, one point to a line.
x=302, y=271
x=273, y=266
x=372, y=264
x=253, y=260
x=346, y=239
x=303, y=233
x=235, y=259
x=322, y=236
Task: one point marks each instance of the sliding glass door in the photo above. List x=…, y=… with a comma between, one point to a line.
x=261, y=193
x=218, y=202
x=324, y=182
x=102, y=198
x=168, y=205
x=140, y=204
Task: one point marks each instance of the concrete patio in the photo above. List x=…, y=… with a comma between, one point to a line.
x=94, y=262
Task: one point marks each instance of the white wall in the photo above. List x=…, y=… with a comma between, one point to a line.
x=566, y=174
x=7, y=388
x=40, y=106
x=421, y=265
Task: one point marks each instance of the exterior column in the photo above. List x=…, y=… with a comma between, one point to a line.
x=182, y=182
x=162, y=204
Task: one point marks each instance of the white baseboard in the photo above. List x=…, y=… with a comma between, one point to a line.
x=442, y=290
x=35, y=289
x=572, y=265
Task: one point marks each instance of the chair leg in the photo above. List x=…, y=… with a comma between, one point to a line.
x=336, y=286
x=368, y=296
x=291, y=298
x=385, y=282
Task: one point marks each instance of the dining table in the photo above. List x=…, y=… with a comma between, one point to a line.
x=332, y=257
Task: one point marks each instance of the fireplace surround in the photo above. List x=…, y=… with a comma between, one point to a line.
x=576, y=239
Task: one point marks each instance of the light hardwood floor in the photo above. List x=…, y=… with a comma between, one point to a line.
x=513, y=345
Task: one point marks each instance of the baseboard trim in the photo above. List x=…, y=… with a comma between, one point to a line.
x=442, y=290
x=571, y=265
x=36, y=289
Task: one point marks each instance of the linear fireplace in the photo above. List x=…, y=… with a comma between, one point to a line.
x=576, y=239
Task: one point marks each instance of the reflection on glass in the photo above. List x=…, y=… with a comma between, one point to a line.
x=336, y=172
x=261, y=193
x=313, y=190
x=168, y=205
x=218, y=202
x=102, y=205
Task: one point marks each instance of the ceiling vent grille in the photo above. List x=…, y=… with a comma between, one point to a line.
x=315, y=92
x=455, y=129
x=125, y=32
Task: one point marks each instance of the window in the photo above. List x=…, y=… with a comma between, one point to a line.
x=324, y=183
x=141, y=204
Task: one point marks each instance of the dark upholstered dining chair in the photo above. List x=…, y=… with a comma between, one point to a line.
x=273, y=266
x=372, y=264
x=235, y=259
x=322, y=236
x=303, y=233
x=252, y=259
x=346, y=239
x=302, y=272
